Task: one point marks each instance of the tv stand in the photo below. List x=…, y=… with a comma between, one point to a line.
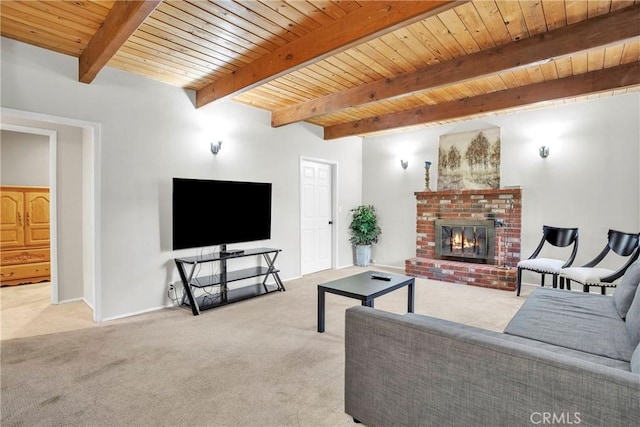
x=222, y=295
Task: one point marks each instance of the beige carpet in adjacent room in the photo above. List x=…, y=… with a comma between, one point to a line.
x=26, y=310
x=259, y=362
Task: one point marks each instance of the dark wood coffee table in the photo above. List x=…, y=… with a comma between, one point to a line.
x=363, y=287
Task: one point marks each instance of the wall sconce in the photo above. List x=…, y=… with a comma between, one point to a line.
x=216, y=146
x=544, y=151
x=404, y=163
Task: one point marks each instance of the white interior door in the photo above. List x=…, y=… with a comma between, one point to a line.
x=316, y=216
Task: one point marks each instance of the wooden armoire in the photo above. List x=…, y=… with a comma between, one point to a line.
x=24, y=235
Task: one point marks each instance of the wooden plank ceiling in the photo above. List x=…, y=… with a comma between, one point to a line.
x=352, y=67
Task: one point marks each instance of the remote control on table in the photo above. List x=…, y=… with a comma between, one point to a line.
x=380, y=276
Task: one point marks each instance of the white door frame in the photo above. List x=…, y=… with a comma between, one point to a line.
x=91, y=210
x=334, y=206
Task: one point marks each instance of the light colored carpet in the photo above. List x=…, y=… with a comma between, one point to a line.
x=259, y=362
x=26, y=310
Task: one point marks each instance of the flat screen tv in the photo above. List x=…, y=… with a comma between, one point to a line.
x=208, y=213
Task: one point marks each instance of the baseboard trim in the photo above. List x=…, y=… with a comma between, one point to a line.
x=88, y=303
x=68, y=301
x=136, y=313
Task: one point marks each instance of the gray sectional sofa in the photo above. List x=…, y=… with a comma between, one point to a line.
x=566, y=357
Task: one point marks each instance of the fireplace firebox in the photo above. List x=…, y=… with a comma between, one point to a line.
x=465, y=240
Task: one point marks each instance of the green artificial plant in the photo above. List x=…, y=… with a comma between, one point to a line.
x=364, y=226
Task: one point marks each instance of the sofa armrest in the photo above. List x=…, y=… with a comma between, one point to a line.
x=416, y=370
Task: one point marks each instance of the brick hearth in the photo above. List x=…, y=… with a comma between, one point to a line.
x=502, y=204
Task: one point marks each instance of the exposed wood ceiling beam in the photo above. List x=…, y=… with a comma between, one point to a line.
x=582, y=36
x=122, y=21
x=372, y=20
x=592, y=82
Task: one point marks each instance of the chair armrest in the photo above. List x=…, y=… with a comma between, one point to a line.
x=620, y=272
x=536, y=252
x=417, y=370
x=574, y=252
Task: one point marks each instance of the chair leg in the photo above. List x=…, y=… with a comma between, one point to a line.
x=518, y=282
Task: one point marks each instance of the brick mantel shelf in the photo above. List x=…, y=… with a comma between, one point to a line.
x=503, y=205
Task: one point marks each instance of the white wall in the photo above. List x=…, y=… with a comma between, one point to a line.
x=590, y=180
x=151, y=132
x=25, y=159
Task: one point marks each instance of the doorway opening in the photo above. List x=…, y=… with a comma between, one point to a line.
x=43, y=124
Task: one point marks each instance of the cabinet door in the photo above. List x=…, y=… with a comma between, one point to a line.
x=36, y=219
x=11, y=219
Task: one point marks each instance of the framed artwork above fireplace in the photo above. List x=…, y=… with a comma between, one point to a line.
x=469, y=160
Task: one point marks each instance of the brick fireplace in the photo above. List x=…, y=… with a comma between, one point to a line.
x=466, y=210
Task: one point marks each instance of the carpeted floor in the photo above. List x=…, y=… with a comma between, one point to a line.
x=259, y=362
x=26, y=310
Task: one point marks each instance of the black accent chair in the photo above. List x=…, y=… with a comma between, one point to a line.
x=623, y=244
x=555, y=236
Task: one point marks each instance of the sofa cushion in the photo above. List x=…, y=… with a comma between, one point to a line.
x=577, y=320
x=624, y=293
x=635, y=360
x=538, y=345
x=633, y=319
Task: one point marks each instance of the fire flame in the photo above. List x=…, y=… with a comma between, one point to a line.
x=459, y=243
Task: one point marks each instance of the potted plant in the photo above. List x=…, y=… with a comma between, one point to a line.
x=364, y=232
